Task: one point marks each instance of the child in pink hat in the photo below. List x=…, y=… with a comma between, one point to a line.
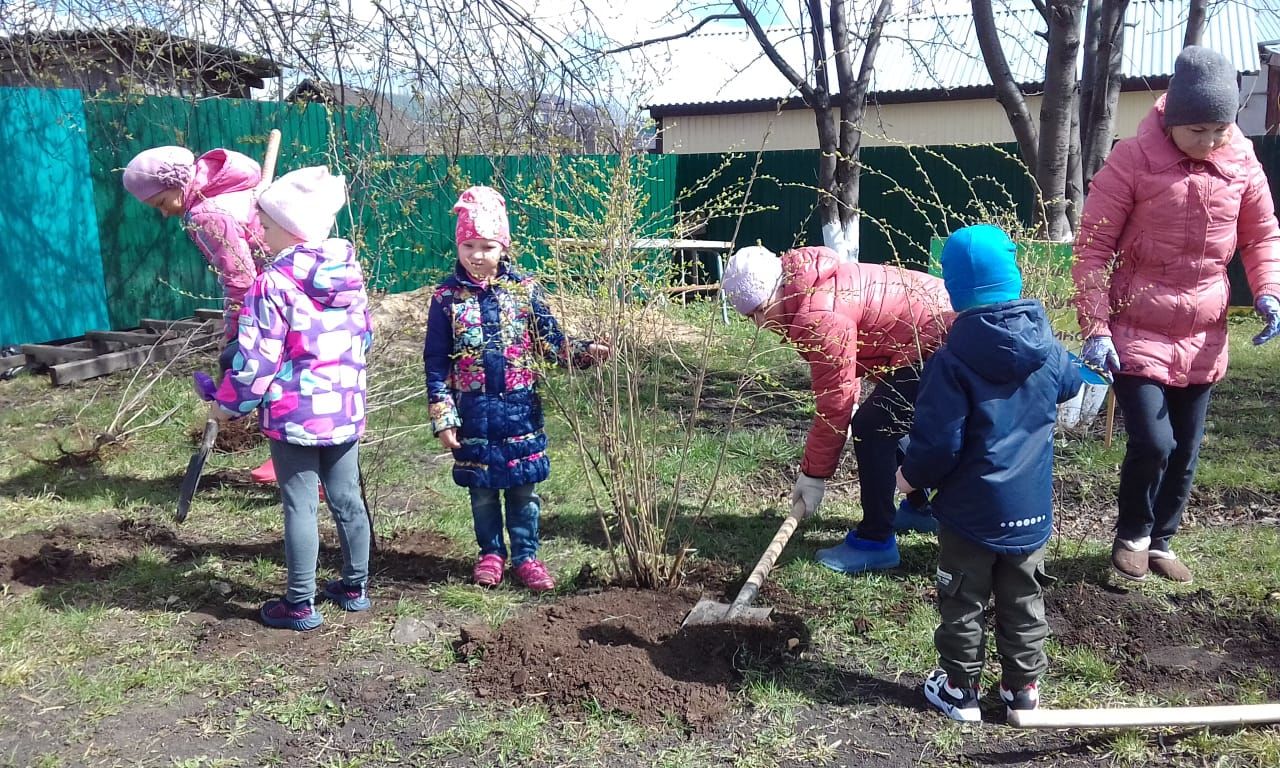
x=487, y=328
x=215, y=196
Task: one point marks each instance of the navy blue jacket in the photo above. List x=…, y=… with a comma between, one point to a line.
x=486, y=345
x=983, y=428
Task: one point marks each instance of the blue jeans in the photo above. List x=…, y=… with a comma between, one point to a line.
x=298, y=469
x=880, y=429
x=523, y=509
x=1165, y=426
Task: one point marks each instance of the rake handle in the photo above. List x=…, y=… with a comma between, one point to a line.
x=269, y=161
x=752, y=588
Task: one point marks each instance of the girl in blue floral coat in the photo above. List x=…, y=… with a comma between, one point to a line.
x=488, y=330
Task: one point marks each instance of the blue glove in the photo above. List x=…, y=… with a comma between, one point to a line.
x=204, y=385
x=1269, y=307
x=1100, y=355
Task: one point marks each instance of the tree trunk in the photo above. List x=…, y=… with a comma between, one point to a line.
x=1098, y=119
x=1007, y=92
x=1196, y=15
x=841, y=233
x=1088, y=58
x=1075, y=173
x=1056, y=115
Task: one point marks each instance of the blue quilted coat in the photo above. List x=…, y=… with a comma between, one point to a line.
x=485, y=346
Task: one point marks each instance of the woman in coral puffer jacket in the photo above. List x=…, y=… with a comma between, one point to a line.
x=1164, y=216
x=850, y=320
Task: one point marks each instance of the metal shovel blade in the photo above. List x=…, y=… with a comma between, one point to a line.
x=708, y=611
x=191, y=480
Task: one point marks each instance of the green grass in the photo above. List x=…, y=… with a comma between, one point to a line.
x=126, y=634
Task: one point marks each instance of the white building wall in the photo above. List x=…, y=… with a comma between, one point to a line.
x=975, y=121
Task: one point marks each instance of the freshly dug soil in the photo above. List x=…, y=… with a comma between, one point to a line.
x=624, y=649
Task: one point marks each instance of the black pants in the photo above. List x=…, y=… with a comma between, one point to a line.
x=880, y=429
x=1165, y=426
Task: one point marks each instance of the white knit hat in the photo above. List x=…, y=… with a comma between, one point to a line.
x=751, y=277
x=305, y=201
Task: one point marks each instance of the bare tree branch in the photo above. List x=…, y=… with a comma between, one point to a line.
x=676, y=36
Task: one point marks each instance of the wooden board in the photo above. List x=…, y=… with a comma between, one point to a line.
x=51, y=354
x=181, y=326
x=99, y=365
x=208, y=314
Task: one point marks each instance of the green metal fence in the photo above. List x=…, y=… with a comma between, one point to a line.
x=908, y=194
x=51, y=269
x=400, y=206
x=151, y=268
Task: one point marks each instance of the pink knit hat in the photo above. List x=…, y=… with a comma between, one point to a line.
x=751, y=277
x=155, y=170
x=305, y=201
x=482, y=213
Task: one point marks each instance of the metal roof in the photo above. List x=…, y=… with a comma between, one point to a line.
x=939, y=53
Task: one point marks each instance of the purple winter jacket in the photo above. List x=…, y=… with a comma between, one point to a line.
x=303, y=336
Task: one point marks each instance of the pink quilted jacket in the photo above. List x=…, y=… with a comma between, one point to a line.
x=222, y=220
x=849, y=320
x=1156, y=234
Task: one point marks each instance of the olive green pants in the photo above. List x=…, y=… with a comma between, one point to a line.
x=968, y=575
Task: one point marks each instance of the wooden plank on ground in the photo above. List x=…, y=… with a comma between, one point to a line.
x=208, y=314
x=181, y=326
x=50, y=354
x=12, y=361
x=126, y=337
x=100, y=365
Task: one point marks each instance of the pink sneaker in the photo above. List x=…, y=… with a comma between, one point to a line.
x=488, y=570
x=533, y=574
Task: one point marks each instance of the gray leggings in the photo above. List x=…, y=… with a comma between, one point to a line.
x=298, y=469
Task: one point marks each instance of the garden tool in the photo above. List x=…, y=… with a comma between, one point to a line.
x=191, y=480
x=708, y=611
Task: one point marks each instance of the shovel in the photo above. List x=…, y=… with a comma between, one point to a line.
x=191, y=480
x=708, y=611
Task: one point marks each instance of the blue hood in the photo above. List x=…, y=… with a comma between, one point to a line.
x=1003, y=342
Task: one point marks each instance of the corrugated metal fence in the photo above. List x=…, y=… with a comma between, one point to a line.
x=400, y=206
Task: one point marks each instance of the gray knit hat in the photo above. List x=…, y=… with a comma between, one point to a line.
x=1203, y=89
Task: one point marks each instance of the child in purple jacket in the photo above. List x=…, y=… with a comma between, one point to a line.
x=303, y=337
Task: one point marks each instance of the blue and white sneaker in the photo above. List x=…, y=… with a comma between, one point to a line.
x=282, y=614
x=1025, y=698
x=855, y=555
x=956, y=703
x=349, y=597
x=908, y=519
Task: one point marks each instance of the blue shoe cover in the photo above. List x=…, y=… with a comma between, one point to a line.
x=855, y=555
x=908, y=518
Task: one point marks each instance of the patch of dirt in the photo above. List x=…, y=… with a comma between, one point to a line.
x=1198, y=647
x=233, y=436
x=65, y=554
x=625, y=650
x=409, y=559
x=229, y=638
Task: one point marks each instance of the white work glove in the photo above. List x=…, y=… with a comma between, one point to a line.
x=809, y=490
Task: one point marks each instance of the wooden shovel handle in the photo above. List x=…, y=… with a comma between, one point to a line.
x=269, y=162
x=749, y=590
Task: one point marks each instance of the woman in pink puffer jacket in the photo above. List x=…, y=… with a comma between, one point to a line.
x=850, y=320
x=1163, y=218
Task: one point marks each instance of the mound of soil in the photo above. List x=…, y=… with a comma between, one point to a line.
x=624, y=649
x=1199, y=648
x=233, y=436
x=66, y=554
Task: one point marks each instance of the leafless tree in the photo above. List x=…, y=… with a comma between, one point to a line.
x=1197, y=15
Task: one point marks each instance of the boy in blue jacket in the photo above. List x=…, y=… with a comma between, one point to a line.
x=982, y=435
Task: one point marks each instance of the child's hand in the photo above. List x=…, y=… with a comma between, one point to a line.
x=449, y=439
x=599, y=351
x=903, y=485
x=217, y=414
